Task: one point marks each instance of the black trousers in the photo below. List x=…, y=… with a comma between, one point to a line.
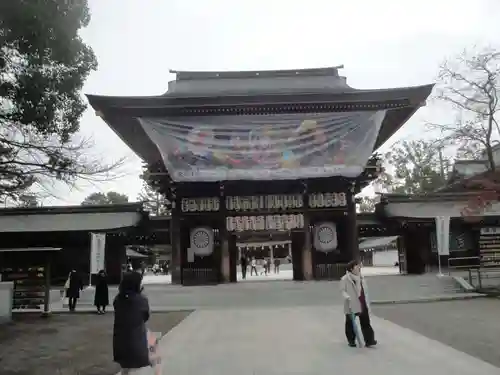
x=366, y=328
x=72, y=302
x=244, y=271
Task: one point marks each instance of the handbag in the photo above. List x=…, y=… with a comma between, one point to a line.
x=64, y=298
x=66, y=284
x=154, y=355
x=358, y=333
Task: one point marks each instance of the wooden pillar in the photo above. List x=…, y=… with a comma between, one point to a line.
x=46, y=300
x=224, y=239
x=307, y=265
x=175, y=243
x=224, y=266
x=352, y=241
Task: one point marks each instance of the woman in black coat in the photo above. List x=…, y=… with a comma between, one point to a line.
x=130, y=346
x=74, y=288
x=101, y=297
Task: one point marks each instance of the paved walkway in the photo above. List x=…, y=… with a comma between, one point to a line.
x=303, y=340
x=286, y=273
x=261, y=294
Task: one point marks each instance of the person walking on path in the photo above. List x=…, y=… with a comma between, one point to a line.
x=244, y=265
x=253, y=267
x=264, y=267
x=130, y=345
x=354, y=292
x=101, y=297
x=277, y=265
x=74, y=286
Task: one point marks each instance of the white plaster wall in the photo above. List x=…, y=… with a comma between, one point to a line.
x=432, y=209
x=469, y=170
x=385, y=258
x=6, y=295
x=68, y=222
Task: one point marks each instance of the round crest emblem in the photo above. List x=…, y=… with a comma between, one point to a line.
x=202, y=241
x=325, y=237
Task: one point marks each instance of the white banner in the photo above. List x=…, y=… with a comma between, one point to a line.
x=97, y=252
x=443, y=235
x=265, y=147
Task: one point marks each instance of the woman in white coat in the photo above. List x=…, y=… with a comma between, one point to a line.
x=354, y=292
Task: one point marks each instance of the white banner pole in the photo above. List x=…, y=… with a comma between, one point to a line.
x=442, y=237
x=91, y=257
x=439, y=264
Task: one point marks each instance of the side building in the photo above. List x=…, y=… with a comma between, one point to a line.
x=25, y=234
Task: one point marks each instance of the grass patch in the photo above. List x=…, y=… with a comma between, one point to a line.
x=67, y=344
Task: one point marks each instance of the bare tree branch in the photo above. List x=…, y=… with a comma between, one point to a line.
x=470, y=83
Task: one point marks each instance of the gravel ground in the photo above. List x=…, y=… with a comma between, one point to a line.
x=470, y=326
x=66, y=344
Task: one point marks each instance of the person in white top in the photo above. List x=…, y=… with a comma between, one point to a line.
x=253, y=267
x=356, y=304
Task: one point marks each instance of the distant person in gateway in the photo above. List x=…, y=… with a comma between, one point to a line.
x=253, y=266
x=277, y=265
x=244, y=265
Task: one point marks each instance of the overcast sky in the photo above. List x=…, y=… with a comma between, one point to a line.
x=382, y=43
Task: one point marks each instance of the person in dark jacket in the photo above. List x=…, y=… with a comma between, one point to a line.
x=101, y=297
x=244, y=266
x=130, y=346
x=74, y=288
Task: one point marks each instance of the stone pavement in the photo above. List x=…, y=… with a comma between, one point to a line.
x=302, y=340
x=258, y=294
x=286, y=273
x=263, y=294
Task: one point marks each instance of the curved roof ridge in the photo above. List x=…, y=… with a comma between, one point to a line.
x=207, y=74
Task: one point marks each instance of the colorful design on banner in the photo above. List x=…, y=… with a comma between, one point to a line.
x=261, y=143
x=265, y=147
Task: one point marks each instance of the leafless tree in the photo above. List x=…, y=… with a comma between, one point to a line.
x=367, y=204
x=470, y=83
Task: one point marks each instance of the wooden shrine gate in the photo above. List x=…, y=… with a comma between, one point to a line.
x=322, y=228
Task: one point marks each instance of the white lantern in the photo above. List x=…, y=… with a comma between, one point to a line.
x=321, y=200
x=300, y=221
x=253, y=223
x=192, y=205
x=279, y=202
x=184, y=205
x=261, y=223
x=341, y=199
x=229, y=224
x=300, y=201
x=329, y=200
